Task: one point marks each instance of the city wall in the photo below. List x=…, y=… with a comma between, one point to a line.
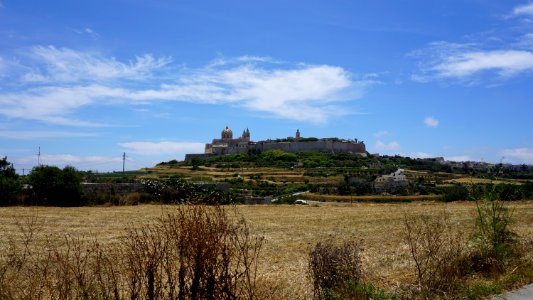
x=332, y=146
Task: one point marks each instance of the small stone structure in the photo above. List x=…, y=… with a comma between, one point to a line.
x=387, y=183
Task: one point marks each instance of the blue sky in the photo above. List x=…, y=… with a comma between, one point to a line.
x=88, y=80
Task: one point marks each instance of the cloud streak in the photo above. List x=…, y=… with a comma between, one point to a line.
x=82, y=162
x=500, y=52
x=68, y=65
x=431, y=122
x=526, y=9
x=29, y=135
x=164, y=147
x=392, y=146
x=57, y=82
x=506, y=63
x=523, y=155
x=442, y=60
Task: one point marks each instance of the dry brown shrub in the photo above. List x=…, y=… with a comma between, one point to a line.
x=195, y=252
x=333, y=264
x=439, y=252
x=130, y=199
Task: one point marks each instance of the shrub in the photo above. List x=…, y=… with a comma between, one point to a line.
x=286, y=199
x=494, y=241
x=438, y=252
x=364, y=291
x=332, y=265
x=9, y=185
x=130, y=199
x=455, y=193
x=195, y=252
x=53, y=186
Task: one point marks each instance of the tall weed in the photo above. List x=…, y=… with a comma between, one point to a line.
x=437, y=250
x=494, y=241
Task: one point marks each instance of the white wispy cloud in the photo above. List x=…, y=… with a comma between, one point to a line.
x=85, y=162
x=525, y=41
x=303, y=93
x=526, y=9
x=64, y=80
x=392, y=146
x=68, y=65
x=458, y=158
x=523, y=155
x=431, y=122
x=421, y=155
x=34, y=134
x=55, y=104
x=164, y=147
x=443, y=60
x=505, y=62
x=381, y=133
x=2, y=66
x=505, y=52
x=91, y=33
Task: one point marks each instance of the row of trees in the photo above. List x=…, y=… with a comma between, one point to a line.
x=50, y=185
x=9, y=183
x=46, y=185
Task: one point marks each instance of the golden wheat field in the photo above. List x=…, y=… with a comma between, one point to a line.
x=289, y=231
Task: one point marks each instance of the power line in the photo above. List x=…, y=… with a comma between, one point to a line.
x=123, y=163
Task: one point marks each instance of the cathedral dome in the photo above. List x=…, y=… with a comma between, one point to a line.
x=227, y=133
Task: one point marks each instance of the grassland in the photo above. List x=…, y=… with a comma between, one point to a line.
x=368, y=198
x=290, y=232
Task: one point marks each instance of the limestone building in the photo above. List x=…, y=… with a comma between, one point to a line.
x=226, y=144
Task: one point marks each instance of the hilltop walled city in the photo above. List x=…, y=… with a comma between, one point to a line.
x=226, y=144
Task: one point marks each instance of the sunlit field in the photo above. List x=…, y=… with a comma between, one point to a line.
x=289, y=231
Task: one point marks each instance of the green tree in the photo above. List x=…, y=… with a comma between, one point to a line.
x=278, y=155
x=9, y=184
x=53, y=186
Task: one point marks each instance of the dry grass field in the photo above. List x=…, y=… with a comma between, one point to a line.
x=375, y=198
x=289, y=231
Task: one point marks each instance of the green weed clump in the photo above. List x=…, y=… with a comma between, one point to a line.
x=448, y=265
x=494, y=242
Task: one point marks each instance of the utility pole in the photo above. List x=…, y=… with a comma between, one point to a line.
x=123, y=163
x=39, y=157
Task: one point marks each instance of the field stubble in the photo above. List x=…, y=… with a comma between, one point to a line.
x=289, y=231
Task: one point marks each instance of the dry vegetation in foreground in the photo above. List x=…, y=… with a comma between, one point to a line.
x=290, y=233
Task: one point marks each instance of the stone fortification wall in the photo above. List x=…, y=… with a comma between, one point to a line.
x=333, y=146
x=325, y=145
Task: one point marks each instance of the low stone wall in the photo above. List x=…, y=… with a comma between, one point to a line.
x=257, y=200
x=111, y=188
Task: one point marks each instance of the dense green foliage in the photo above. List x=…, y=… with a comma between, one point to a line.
x=372, y=164
x=10, y=186
x=53, y=186
x=177, y=190
x=317, y=172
